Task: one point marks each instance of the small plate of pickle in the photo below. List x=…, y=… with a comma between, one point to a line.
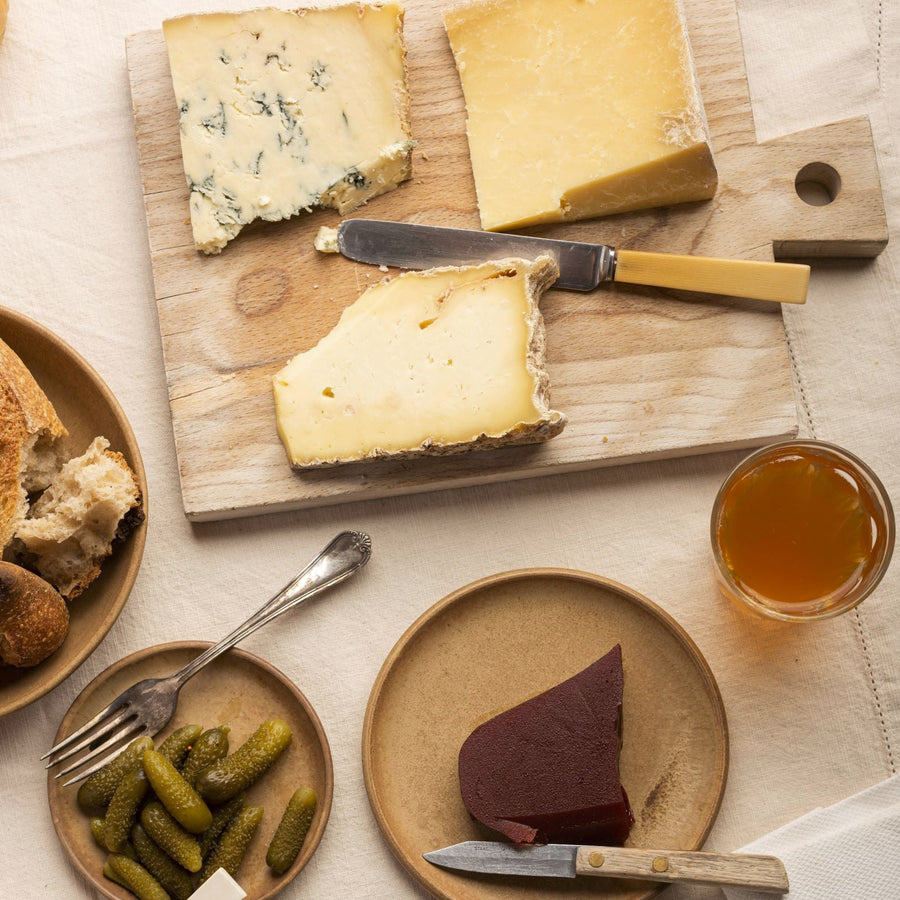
x=242, y=699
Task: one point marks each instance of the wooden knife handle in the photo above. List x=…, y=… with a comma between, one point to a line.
x=779, y=282
x=759, y=873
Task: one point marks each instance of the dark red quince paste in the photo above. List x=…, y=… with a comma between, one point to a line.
x=547, y=770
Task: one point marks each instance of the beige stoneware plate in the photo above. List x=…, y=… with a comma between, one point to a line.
x=242, y=690
x=496, y=642
x=87, y=408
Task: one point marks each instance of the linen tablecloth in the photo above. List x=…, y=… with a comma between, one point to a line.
x=814, y=711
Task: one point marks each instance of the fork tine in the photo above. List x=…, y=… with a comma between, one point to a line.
x=128, y=730
x=108, y=727
x=112, y=707
x=96, y=767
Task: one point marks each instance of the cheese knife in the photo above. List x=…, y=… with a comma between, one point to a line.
x=582, y=266
x=748, y=870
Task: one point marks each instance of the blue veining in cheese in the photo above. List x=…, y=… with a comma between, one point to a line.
x=281, y=111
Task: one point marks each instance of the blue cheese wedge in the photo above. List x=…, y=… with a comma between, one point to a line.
x=431, y=362
x=282, y=111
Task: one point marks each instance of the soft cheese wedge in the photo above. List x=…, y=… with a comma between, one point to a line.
x=579, y=109
x=283, y=110
x=430, y=362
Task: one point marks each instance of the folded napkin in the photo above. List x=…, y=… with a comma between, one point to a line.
x=843, y=852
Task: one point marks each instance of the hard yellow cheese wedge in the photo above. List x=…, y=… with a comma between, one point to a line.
x=429, y=362
x=579, y=109
x=283, y=110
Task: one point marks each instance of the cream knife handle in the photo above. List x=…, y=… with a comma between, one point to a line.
x=780, y=282
x=759, y=873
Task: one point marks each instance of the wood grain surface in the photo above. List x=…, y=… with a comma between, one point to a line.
x=641, y=373
x=752, y=871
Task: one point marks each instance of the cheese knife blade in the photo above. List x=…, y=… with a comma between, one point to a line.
x=582, y=266
x=748, y=870
x=497, y=858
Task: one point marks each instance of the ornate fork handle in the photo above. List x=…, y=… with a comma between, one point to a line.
x=348, y=552
x=147, y=706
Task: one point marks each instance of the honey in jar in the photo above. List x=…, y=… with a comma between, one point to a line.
x=802, y=530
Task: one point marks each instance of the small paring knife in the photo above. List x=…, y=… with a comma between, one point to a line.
x=760, y=873
x=582, y=266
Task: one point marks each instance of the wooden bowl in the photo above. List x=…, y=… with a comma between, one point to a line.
x=239, y=689
x=87, y=408
x=501, y=640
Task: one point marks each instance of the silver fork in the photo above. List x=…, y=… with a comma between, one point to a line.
x=145, y=707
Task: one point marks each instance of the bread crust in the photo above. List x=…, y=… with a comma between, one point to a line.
x=26, y=417
x=34, y=618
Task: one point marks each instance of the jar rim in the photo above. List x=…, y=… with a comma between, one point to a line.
x=877, y=490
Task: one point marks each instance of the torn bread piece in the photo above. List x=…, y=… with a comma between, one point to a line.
x=31, y=441
x=433, y=362
x=93, y=501
x=285, y=110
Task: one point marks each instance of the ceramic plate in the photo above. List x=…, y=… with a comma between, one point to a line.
x=87, y=408
x=242, y=690
x=500, y=641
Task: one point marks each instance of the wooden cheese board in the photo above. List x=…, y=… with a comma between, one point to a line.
x=640, y=373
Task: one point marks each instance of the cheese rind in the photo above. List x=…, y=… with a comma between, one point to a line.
x=432, y=362
x=282, y=111
x=579, y=109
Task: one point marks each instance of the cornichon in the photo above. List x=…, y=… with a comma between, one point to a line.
x=221, y=817
x=179, y=798
x=97, y=832
x=162, y=867
x=96, y=792
x=123, y=809
x=232, y=846
x=208, y=749
x=109, y=873
x=291, y=831
x=177, y=745
x=237, y=772
x=171, y=837
x=137, y=879
x=99, y=837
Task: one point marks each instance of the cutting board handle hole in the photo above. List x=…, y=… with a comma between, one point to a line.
x=817, y=184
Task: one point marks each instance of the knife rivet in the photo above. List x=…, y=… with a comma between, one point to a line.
x=660, y=864
x=596, y=859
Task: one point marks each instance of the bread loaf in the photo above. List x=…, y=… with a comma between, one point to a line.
x=31, y=445
x=93, y=501
x=34, y=619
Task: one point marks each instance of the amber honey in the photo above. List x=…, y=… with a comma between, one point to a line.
x=802, y=530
